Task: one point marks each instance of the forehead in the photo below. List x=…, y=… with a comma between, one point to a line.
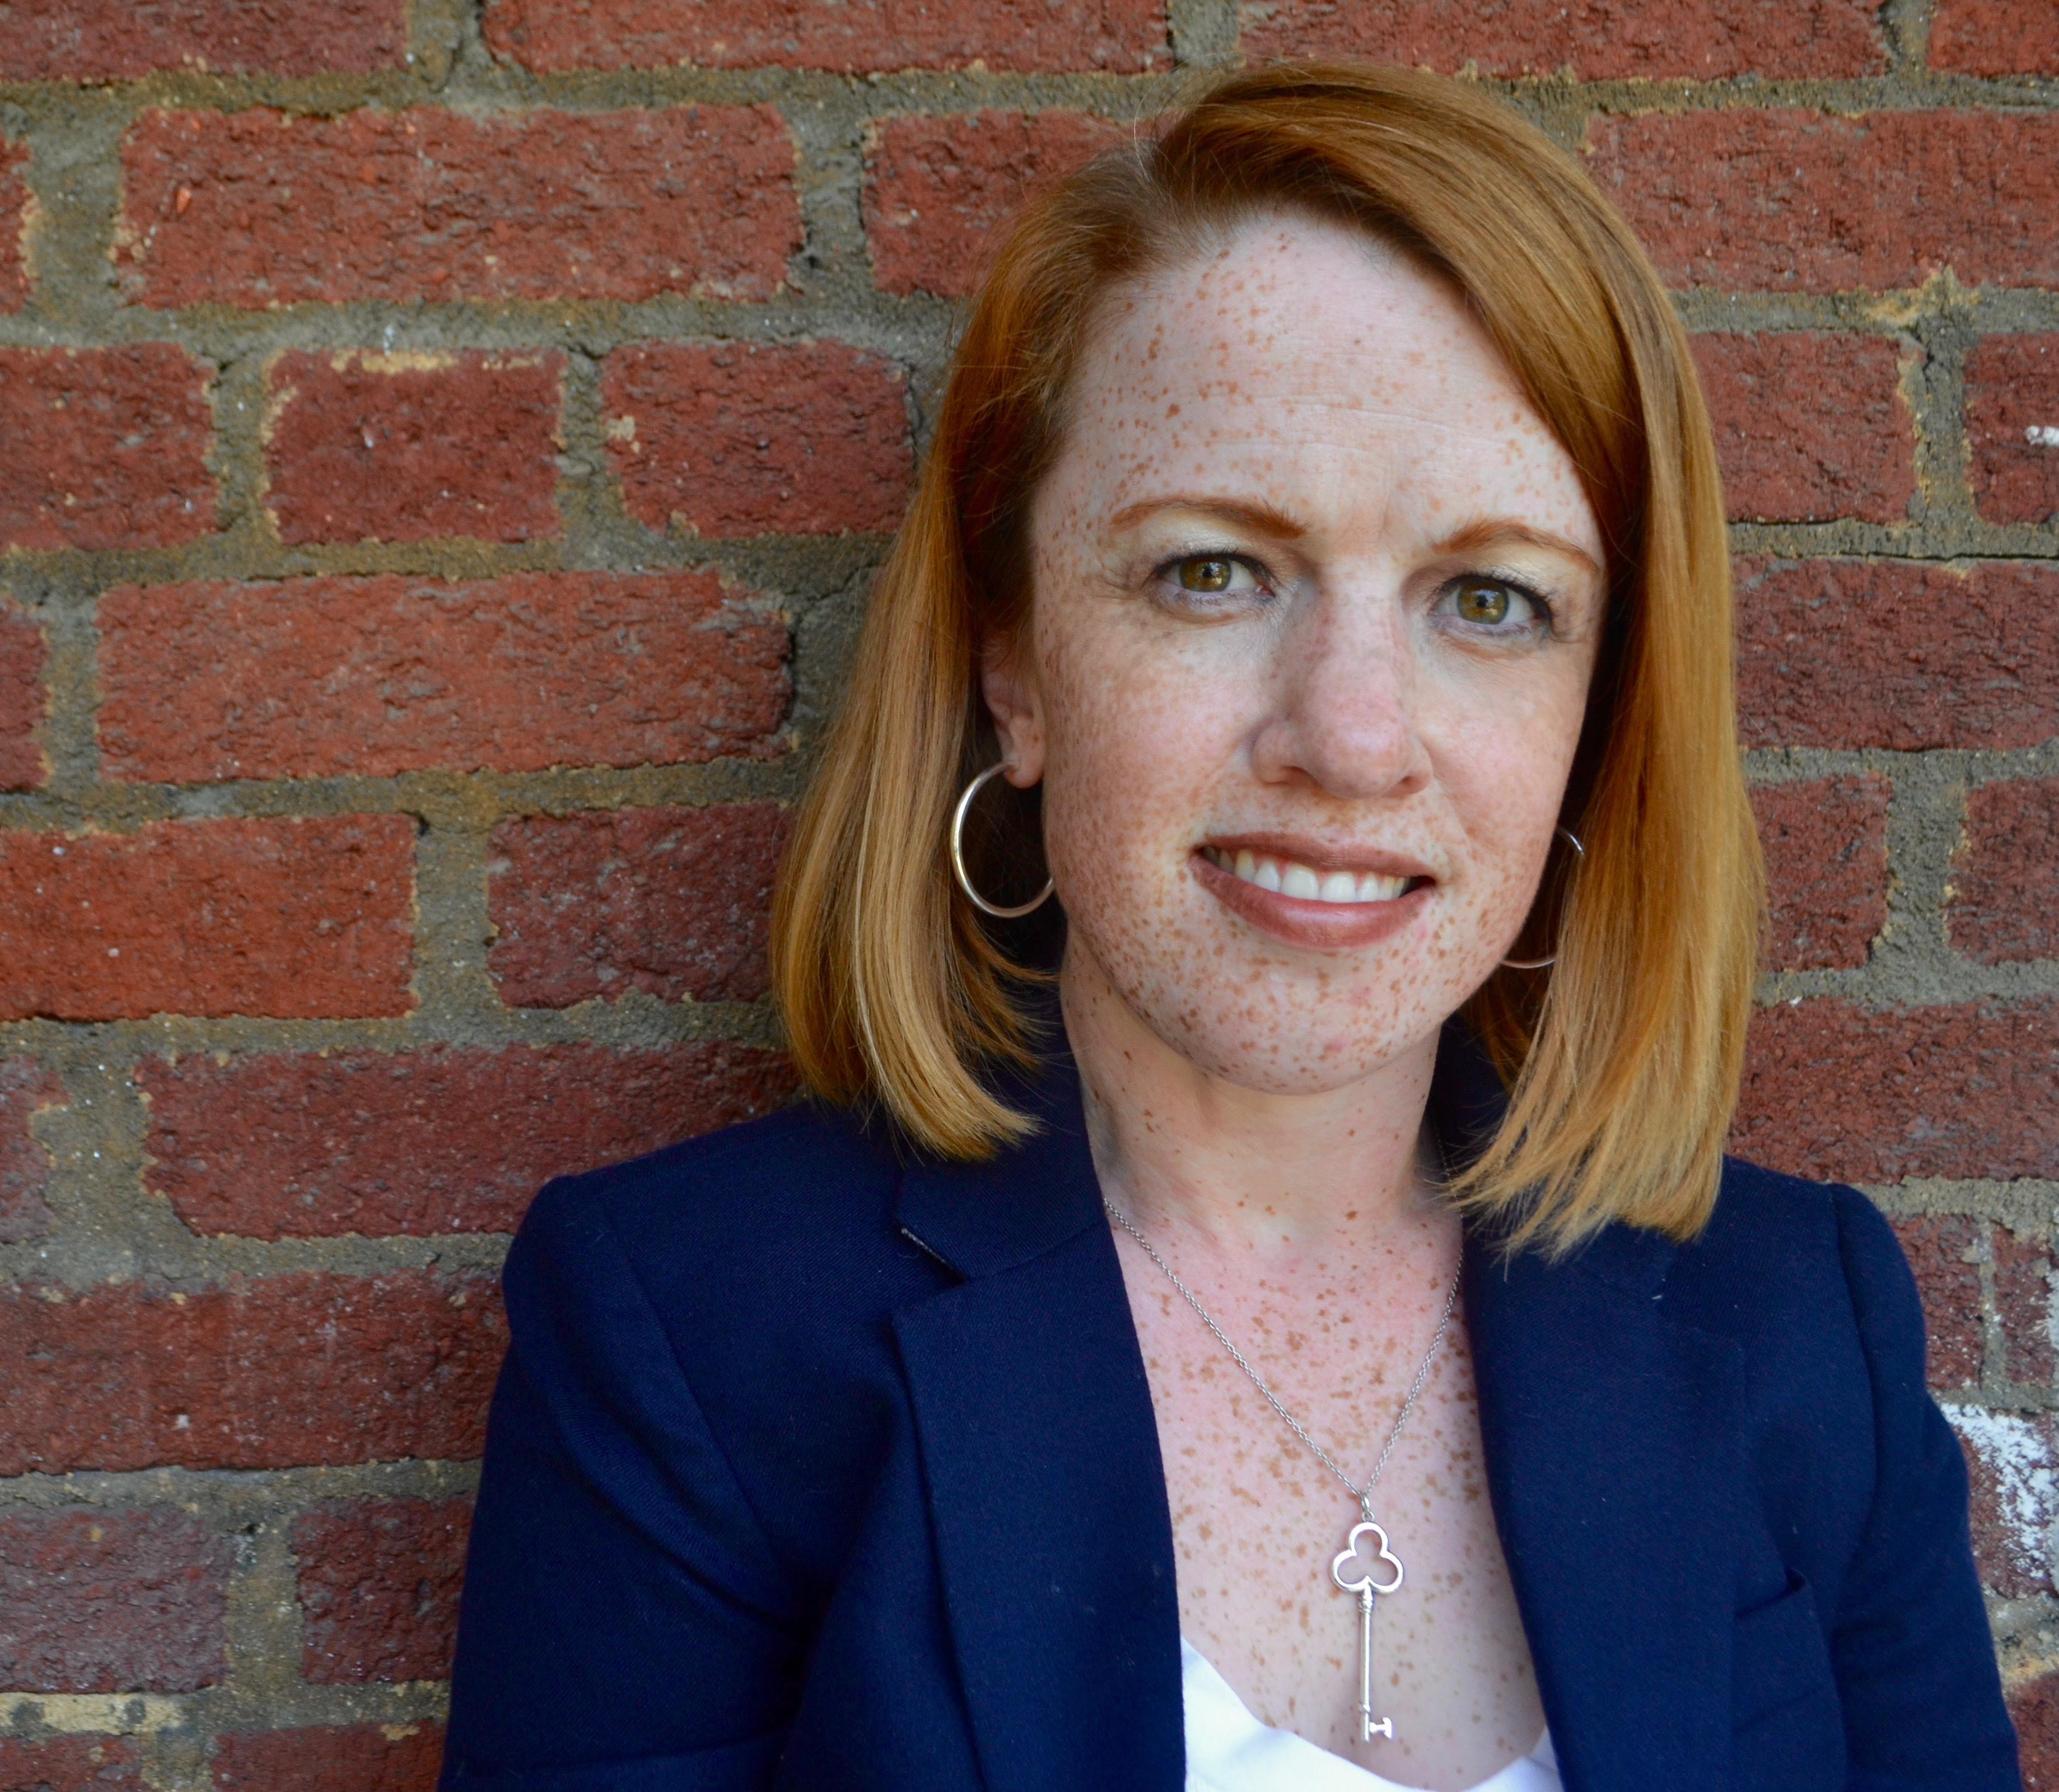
x=1314, y=367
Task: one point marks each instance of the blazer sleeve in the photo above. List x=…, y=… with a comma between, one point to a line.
x=1914, y=1659
x=625, y=1623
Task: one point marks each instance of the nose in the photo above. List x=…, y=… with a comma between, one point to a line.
x=1345, y=693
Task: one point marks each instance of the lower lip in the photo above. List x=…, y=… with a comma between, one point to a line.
x=1334, y=927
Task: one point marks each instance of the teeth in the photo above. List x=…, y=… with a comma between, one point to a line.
x=1290, y=878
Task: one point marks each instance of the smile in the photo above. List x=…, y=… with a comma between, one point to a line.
x=1288, y=877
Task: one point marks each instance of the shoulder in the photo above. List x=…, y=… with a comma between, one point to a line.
x=764, y=1255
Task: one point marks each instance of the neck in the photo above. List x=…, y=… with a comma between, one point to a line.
x=1181, y=1150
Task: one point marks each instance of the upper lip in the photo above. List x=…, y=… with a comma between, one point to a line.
x=1324, y=855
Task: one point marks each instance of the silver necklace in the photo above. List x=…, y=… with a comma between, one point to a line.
x=1349, y=1568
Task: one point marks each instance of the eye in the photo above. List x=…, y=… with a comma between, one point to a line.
x=1501, y=605
x=1212, y=574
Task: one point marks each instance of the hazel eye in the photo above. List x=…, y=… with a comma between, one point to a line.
x=1482, y=600
x=1207, y=573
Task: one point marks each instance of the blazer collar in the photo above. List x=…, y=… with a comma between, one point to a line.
x=1608, y=1429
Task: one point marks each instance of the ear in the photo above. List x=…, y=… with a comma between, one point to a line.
x=1009, y=684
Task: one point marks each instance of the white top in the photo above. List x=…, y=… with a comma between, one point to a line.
x=1229, y=1750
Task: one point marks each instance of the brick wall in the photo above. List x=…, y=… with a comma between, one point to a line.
x=443, y=447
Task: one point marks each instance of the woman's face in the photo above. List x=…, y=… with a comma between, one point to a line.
x=1316, y=597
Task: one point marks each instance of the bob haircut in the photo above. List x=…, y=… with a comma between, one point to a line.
x=1623, y=1058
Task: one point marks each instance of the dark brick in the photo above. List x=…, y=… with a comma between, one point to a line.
x=106, y=448
x=257, y=208
x=274, y=1371
x=1826, y=847
x=1778, y=200
x=673, y=902
x=2000, y=909
x=96, y=1599
x=2023, y=1298
x=1597, y=39
x=117, y=40
x=2009, y=1464
x=2034, y=1705
x=14, y=215
x=2013, y=427
x=81, y=1763
x=740, y=439
x=351, y=1757
x=445, y=1139
x=855, y=37
x=285, y=918
x=935, y=188
x=1835, y=1090
x=26, y=1090
x=23, y=701
x=1810, y=426
x=1995, y=37
x=1879, y=653
x=410, y=448
x=315, y=677
x=1943, y=1253
x=378, y=1582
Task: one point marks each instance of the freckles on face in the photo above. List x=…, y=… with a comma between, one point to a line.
x=1316, y=602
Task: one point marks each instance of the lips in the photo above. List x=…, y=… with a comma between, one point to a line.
x=1304, y=902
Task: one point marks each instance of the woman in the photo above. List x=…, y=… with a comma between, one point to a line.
x=1313, y=1339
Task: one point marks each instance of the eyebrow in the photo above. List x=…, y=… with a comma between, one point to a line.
x=1492, y=531
x=1252, y=513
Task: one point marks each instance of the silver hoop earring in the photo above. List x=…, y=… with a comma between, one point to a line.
x=957, y=856
x=1541, y=964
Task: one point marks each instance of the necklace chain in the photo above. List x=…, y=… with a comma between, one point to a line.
x=1362, y=1495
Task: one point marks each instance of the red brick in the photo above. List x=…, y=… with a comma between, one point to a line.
x=15, y=212
x=100, y=1600
x=1942, y=1254
x=407, y=447
x=258, y=208
x=1826, y=847
x=379, y=1583
x=1802, y=201
x=107, y=447
x=936, y=188
x=26, y=1089
x=738, y=439
x=81, y=1763
x=333, y=677
x=23, y=701
x=1881, y=653
x=1598, y=40
x=1810, y=426
x=2035, y=1706
x=270, y=1371
x=2013, y=427
x=353, y=1758
x=2023, y=1298
x=1835, y=1090
x=308, y=918
x=673, y=902
x=1995, y=37
x=2009, y=1466
x=117, y=40
x=855, y=37
x=445, y=1139
x=2000, y=909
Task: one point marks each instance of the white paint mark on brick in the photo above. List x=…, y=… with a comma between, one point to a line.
x=2042, y=434
x=2017, y=1453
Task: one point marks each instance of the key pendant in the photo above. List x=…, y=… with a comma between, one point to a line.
x=1356, y=1571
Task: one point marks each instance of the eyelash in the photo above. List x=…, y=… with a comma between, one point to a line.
x=1166, y=572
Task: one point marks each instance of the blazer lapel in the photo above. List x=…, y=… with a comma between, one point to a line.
x=1611, y=1458
x=1041, y=1452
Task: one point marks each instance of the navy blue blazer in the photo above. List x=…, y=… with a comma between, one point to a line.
x=818, y=1465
